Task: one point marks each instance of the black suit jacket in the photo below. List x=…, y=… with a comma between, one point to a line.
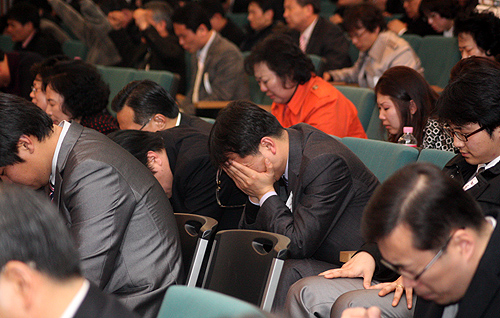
x=97, y=304
x=486, y=191
x=482, y=298
x=42, y=43
x=330, y=187
x=195, y=123
x=328, y=41
x=194, y=182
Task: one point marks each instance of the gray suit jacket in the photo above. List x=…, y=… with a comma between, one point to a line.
x=330, y=188
x=224, y=72
x=120, y=218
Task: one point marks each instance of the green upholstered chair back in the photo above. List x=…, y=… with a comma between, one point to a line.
x=437, y=157
x=75, y=48
x=363, y=99
x=438, y=55
x=192, y=302
x=382, y=158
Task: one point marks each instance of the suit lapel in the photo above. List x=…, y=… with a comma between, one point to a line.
x=294, y=162
x=74, y=132
x=315, y=34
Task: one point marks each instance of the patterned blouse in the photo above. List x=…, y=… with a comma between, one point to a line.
x=435, y=137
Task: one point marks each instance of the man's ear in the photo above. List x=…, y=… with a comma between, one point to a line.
x=268, y=144
x=154, y=161
x=202, y=29
x=26, y=145
x=21, y=279
x=269, y=14
x=159, y=122
x=465, y=242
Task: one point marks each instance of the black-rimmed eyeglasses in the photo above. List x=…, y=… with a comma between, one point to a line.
x=401, y=271
x=460, y=136
x=217, y=190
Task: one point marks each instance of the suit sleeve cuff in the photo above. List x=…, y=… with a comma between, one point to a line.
x=265, y=197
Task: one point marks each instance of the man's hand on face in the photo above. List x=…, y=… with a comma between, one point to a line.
x=255, y=184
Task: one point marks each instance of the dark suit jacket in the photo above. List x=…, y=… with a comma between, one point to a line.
x=120, y=218
x=44, y=44
x=482, y=298
x=330, y=187
x=328, y=41
x=97, y=304
x=194, y=185
x=486, y=191
x=232, y=32
x=21, y=78
x=195, y=123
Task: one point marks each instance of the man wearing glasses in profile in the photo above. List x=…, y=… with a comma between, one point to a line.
x=470, y=107
x=435, y=235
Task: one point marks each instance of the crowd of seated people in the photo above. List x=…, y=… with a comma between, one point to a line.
x=278, y=171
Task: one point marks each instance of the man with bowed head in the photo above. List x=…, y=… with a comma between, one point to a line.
x=116, y=211
x=300, y=182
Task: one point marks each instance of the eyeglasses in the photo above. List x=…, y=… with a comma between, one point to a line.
x=145, y=124
x=217, y=190
x=401, y=271
x=356, y=35
x=34, y=89
x=459, y=135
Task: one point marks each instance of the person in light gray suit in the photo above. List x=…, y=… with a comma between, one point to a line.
x=116, y=211
x=223, y=76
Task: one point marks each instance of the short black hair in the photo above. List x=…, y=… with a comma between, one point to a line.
x=20, y=117
x=33, y=232
x=138, y=143
x=146, y=98
x=192, y=15
x=447, y=9
x=85, y=92
x=472, y=97
x=24, y=12
x=316, y=4
x=212, y=7
x=239, y=128
x=282, y=56
x=422, y=197
x=44, y=67
x=484, y=29
x=364, y=15
x=267, y=5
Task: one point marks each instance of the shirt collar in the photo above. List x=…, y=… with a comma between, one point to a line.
x=28, y=40
x=308, y=31
x=178, y=122
x=202, y=53
x=65, y=126
x=77, y=301
x=490, y=164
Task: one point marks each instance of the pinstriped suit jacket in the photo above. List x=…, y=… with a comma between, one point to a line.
x=120, y=218
x=330, y=187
